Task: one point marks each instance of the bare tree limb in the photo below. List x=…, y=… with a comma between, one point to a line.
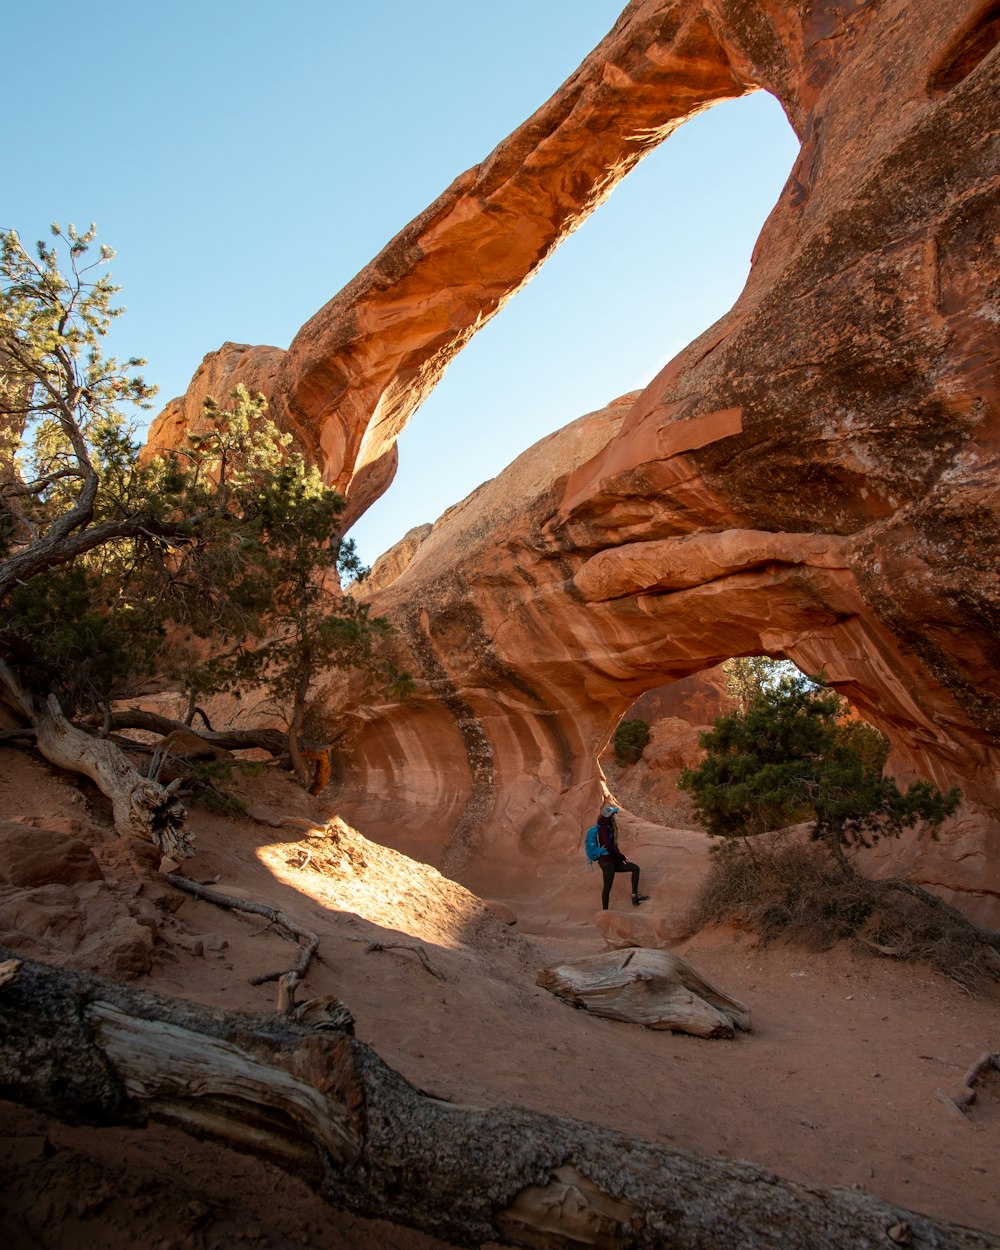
x=963, y=1100
x=987, y=936
x=141, y=808
x=289, y=978
x=990, y=1059
x=274, y=741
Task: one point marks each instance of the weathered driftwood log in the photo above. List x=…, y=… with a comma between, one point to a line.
x=324, y=1106
x=141, y=808
x=649, y=987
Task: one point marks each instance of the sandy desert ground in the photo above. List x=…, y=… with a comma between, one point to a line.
x=836, y=1085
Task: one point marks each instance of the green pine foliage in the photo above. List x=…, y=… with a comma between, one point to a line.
x=630, y=740
x=61, y=636
x=792, y=755
x=747, y=676
x=213, y=566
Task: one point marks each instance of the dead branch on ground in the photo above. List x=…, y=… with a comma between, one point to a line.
x=287, y=979
x=987, y=936
x=414, y=947
x=141, y=808
x=966, y=1095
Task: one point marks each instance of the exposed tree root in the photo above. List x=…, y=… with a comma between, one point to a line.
x=323, y=1106
x=417, y=950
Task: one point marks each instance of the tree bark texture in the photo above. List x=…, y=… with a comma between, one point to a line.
x=275, y=741
x=140, y=807
x=323, y=1106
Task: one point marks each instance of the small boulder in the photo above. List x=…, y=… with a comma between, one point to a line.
x=32, y=857
x=658, y=927
x=500, y=910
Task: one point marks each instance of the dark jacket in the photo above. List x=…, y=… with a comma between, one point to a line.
x=607, y=839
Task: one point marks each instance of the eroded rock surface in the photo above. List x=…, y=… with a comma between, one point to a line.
x=57, y=904
x=676, y=715
x=813, y=478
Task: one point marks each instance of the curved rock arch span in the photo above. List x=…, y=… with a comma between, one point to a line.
x=814, y=477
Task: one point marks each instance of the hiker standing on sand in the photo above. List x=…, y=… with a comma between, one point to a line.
x=612, y=860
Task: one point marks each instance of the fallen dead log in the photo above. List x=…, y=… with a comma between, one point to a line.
x=323, y=1106
x=644, y=986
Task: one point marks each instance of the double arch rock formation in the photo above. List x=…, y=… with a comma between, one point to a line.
x=814, y=477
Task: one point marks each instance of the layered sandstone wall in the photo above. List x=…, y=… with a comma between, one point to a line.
x=814, y=478
x=492, y=768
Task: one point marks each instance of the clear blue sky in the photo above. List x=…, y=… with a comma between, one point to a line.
x=246, y=159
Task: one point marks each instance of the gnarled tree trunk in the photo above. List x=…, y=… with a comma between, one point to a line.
x=324, y=1106
x=142, y=808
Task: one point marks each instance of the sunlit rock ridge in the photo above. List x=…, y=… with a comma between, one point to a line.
x=814, y=477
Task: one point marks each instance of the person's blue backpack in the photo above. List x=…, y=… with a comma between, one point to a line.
x=592, y=846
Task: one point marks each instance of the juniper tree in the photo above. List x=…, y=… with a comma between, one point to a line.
x=220, y=560
x=630, y=740
x=790, y=755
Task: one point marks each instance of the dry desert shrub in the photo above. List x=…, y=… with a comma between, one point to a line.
x=783, y=885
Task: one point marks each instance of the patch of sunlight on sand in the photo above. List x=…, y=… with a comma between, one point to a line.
x=344, y=871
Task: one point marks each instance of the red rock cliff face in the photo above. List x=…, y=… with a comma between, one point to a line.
x=815, y=477
x=491, y=768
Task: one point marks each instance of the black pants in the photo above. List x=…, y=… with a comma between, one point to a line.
x=609, y=867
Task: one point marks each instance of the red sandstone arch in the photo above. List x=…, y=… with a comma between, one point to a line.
x=814, y=477
x=360, y=366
